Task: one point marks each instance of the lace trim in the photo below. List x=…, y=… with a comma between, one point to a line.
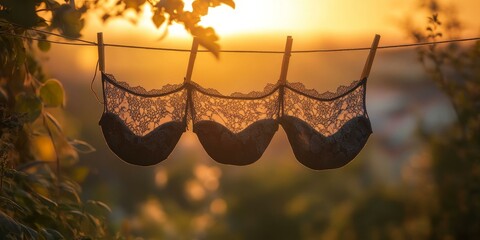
x=235, y=113
x=268, y=90
x=143, y=114
x=325, y=116
x=140, y=91
x=325, y=96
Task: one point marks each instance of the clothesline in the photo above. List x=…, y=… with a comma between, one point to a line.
x=91, y=43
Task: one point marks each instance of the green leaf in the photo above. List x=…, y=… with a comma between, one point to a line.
x=28, y=232
x=17, y=79
x=64, y=207
x=158, y=18
x=82, y=146
x=46, y=201
x=77, y=214
x=97, y=208
x=172, y=7
x=54, y=121
x=52, y=93
x=105, y=17
x=3, y=95
x=28, y=104
x=68, y=21
x=15, y=229
x=200, y=7
x=9, y=224
x=70, y=193
x=20, y=54
x=80, y=173
x=8, y=204
x=51, y=4
x=44, y=46
x=19, y=12
x=51, y=234
x=207, y=38
x=230, y=3
x=94, y=221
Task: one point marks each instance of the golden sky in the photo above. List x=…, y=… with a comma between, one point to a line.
x=307, y=18
x=259, y=25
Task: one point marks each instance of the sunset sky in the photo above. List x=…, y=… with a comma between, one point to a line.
x=258, y=25
x=320, y=16
x=310, y=17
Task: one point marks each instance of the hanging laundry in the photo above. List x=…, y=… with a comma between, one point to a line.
x=325, y=130
x=235, y=129
x=142, y=127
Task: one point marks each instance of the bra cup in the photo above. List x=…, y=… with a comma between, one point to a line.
x=242, y=148
x=318, y=152
x=146, y=150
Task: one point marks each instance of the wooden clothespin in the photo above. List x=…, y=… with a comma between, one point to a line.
x=101, y=52
x=286, y=59
x=188, y=79
x=283, y=74
x=191, y=60
x=371, y=56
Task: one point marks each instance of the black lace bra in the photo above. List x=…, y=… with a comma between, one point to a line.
x=326, y=130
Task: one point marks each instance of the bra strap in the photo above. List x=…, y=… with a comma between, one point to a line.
x=371, y=56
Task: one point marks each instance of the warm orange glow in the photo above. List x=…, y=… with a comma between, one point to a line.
x=161, y=177
x=194, y=190
x=208, y=176
x=302, y=17
x=218, y=206
x=153, y=211
x=44, y=148
x=269, y=16
x=256, y=25
x=252, y=16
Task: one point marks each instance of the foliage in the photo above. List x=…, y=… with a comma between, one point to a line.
x=36, y=202
x=166, y=12
x=452, y=157
x=68, y=20
x=455, y=154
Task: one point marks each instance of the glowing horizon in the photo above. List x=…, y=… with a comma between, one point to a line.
x=269, y=16
x=346, y=24
x=303, y=17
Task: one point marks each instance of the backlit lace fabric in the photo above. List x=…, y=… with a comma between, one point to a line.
x=235, y=129
x=325, y=130
x=142, y=127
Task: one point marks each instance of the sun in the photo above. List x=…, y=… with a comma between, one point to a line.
x=253, y=16
x=302, y=17
x=249, y=16
x=246, y=18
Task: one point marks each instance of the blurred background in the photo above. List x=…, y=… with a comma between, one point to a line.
x=409, y=180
